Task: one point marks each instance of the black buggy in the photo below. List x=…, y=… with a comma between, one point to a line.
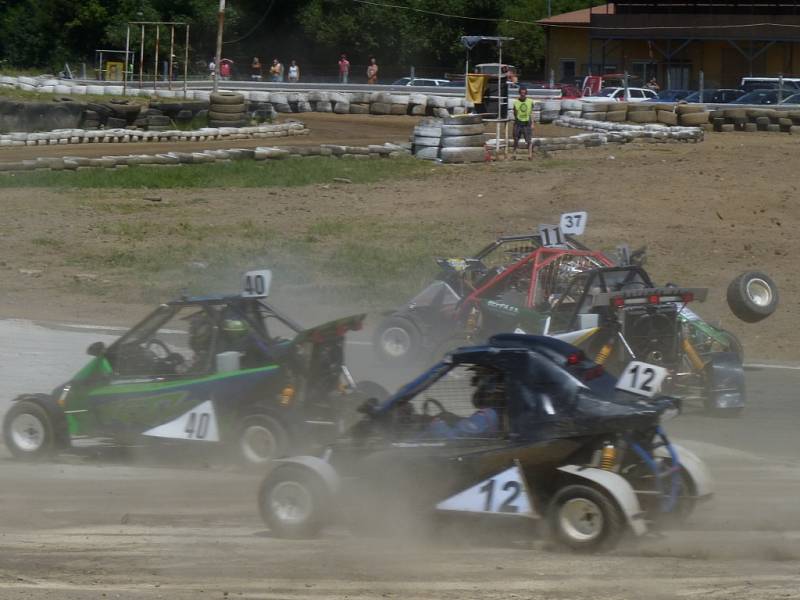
x=509, y=430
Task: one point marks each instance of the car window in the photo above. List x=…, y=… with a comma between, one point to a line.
x=469, y=401
x=179, y=343
x=608, y=92
x=635, y=93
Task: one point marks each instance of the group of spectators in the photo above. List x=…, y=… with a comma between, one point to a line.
x=275, y=71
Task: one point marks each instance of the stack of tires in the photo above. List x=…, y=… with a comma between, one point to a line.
x=571, y=108
x=427, y=139
x=617, y=112
x=665, y=114
x=462, y=139
x=642, y=112
x=550, y=111
x=596, y=111
x=690, y=115
x=227, y=109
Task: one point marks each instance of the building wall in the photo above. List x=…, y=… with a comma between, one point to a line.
x=722, y=64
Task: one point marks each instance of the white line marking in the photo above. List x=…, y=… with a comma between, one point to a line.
x=764, y=366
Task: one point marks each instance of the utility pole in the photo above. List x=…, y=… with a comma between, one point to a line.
x=218, y=56
x=549, y=9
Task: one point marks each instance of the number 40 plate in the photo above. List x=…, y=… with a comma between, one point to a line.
x=255, y=284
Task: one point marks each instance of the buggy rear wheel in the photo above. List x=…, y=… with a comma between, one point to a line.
x=261, y=440
x=584, y=519
x=397, y=341
x=293, y=503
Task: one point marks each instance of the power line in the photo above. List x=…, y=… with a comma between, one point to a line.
x=574, y=26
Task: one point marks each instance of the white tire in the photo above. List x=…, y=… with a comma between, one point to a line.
x=262, y=96
x=49, y=89
x=427, y=153
x=28, y=81
x=427, y=141
x=95, y=90
x=426, y=131
x=457, y=130
x=571, y=105
x=420, y=99
x=462, y=155
x=463, y=141
x=551, y=105
x=436, y=101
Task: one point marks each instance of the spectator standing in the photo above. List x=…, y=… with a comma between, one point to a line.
x=523, y=120
x=255, y=69
x=344, y=69
x=275, y=70
x=212, y=68
x=294, y=72
x=225, y=68
x=653, y=85
x=372, y=71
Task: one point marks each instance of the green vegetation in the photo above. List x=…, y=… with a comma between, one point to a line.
x=47, y=33
x=244, y=173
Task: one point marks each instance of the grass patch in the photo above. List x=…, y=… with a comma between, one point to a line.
x=241, y=174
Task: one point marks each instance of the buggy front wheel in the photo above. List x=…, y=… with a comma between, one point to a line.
x=28, y=431
x=293, y=503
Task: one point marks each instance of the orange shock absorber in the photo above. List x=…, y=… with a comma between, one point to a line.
x=604, y=353
x=694, y=357
x=608, y=457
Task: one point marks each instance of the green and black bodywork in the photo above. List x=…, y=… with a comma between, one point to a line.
x=203, y=369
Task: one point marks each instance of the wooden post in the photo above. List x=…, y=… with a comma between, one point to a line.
x=125, y=72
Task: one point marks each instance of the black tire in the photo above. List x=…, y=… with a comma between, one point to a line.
x=604, y=525
x=752, y=296
x=261, y=439
x=215, y=116
x=233, y=109
x=295, y=490
x=226, y=98
x=397, y=341
x=28, y=431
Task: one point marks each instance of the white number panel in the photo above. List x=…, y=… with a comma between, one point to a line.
x=642, y=379
x=504, y=493
x=551, y=235
x=255, y=284
x=200, y=423
x=574, y=223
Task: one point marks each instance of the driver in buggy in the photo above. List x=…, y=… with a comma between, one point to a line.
x=489, y=400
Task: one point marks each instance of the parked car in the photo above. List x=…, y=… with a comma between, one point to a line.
x=670, y=96
x=718, y=96
x=617, y=94
x=790, y=84
x=793, y=99
x=422, y=81
x=593, y=84
x=758, y=97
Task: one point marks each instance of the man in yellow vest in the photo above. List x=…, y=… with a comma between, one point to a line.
x=523, y=120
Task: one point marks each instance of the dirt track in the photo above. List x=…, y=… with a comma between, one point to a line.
x=325, y=129
x=77, y=532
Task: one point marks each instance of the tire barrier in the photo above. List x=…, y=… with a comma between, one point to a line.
x=121, y=135
x=73, y=163
x=623, y=132
x=415, y=104
x=453, y=139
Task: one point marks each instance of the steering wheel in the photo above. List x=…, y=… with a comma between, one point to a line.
x=443, y=414
x=163, y=356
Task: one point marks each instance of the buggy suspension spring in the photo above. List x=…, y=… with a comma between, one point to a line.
x=604, y=353
x=694, y=357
